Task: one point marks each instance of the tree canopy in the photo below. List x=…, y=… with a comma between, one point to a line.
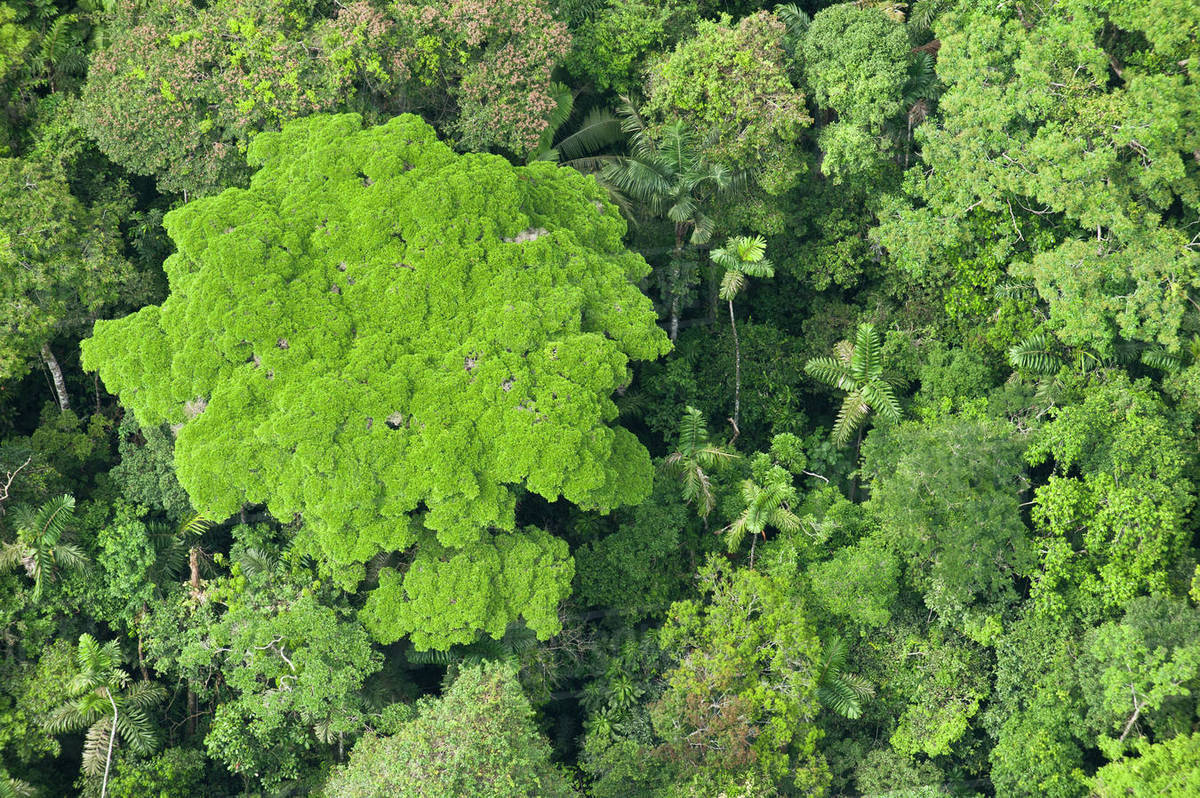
x=395, y=342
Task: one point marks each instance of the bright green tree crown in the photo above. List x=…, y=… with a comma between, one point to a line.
x=378, y=326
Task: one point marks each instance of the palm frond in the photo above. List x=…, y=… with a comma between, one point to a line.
x=794, y=18
x=850, y=417
x=922, y=79
x=12, y=555
x=1160, y=358
x=144, y=695
x=881, y=399
x=136, y=730
x=837, y=696
x=830, y=371
x=732, y=283
x=95, y=747
x=51, y=520
x=70, y=557
x=599, y=129
x=197, y=525
x=1035, y=355
x=256, y=562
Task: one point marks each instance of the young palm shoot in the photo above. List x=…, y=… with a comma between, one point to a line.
x=741, y=257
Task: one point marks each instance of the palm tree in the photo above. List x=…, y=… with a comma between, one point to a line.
x=693, y=458
x=672, y=178
x=857, y=369
x=102, y=700
x=766, y=506
x=741, y=257
x=40, y=546
x=840, y=691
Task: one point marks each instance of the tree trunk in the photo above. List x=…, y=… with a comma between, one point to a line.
x=112, y=735
x=673, y=288
x=737, y=369
x=857, y=446
x=60, y=385
x=141, y=657
x=194, y=568
x=193, y=709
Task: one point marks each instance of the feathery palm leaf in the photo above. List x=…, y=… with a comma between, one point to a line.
x=841, y=692
x=1035, y=354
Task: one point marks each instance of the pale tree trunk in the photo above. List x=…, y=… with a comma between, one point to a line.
x=112, y=735
x=193, y=704
x=737, y=369
x=60, y=385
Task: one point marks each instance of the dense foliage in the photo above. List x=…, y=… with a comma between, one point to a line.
x=629, y=399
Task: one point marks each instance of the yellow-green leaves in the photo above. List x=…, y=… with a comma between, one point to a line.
x=378, y=328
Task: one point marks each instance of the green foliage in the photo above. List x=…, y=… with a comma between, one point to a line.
x=1138, y=675
x=450, y=595
x=171, y=773
x=1169, y=769
x=478, y=739
x=945, y=495
x=636, y=570
x=518, y=322
x=1072, y=118
x=859, y=583
x=940, y=684
x=1112, y=514
x=741, y=257
x=855, y=61
x=179, y=89
x=730, y=84
x=60, y=263
x=288, y=669
x=146, y=473
x=494, y=59
x=612, y=45
x=744, y=695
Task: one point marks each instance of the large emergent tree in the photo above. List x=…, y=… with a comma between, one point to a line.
x=395, y=343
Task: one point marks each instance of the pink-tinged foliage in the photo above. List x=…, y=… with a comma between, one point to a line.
x=180, y=90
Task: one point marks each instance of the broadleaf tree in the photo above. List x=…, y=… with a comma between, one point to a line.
x=396, y=343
